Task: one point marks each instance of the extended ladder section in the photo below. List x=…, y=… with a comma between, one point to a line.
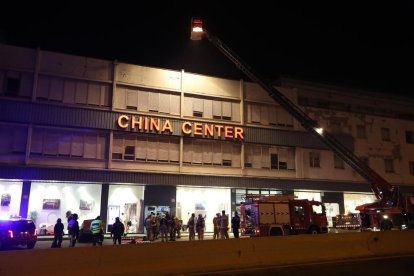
x=388, y=194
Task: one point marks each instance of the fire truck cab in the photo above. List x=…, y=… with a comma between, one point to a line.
x=282, y=215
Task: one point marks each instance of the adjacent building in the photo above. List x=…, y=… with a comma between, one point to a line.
x=100, y=137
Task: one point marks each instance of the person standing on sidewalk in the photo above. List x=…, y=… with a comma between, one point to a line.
x=224, y=225
x=117, y=230
x=73, y=230
x=191, y=226
x=235, y=225
x=97, y=231
x=216, y=224
x=58, y=234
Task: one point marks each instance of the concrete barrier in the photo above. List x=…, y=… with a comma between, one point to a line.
x=204, y=256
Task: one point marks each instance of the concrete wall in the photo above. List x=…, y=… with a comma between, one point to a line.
x=205, y=256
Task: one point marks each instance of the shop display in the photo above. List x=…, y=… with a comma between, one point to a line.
x=5, y=200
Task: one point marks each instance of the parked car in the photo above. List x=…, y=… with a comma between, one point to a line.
x=18, y=231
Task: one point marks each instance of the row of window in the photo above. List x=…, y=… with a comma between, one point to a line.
x=212, y=108
x=73, y=91
x=147, y=101
x=65, y=143
x=146, y=148
x=19, y=84
x=16, y=84
x=268, y=115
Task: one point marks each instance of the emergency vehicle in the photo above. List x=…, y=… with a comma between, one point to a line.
x=281, y=215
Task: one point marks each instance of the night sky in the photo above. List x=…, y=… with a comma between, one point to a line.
x=348, y=43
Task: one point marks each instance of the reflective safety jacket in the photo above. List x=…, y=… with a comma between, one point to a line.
x=96, y=226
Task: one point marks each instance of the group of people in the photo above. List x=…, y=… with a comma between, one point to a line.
x=221, y=225
x=96, y=228
x=163, y=225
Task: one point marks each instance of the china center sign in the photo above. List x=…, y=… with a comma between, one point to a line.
x=149, y=124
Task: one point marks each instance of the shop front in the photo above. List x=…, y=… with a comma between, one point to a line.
x=51, y=200
x=205, y=201
x=353, y=200
x=11, y=194
x=126, y=202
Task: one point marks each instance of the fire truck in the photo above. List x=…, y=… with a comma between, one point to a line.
x=391, y=209
x=281, y=215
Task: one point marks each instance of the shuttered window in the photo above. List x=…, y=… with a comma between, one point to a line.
x=89, y=146
x=154, y=102
x=152, y=149
x=77, y=145
x=56, y=89
x=141, y=148
x=131, y=99
x=236, y=156
x=42, y=91
x=255, y=109
x=175, y=104
x=94, y=94
x=207, y=152
x=69, y=89
x=188, y=151
x=143, y=101
x=81, y=93
x=36, y=146
x=163, y=149
x=208, y=109
x=164, y=103
x=226, y=110
x=174, y=150
x=51, y=143
x=65, y=143
x=197, y=152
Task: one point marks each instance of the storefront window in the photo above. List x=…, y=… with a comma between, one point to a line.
x=51, y=200
x=126, y=202
x=308, y=195
x=11, y=194
x=351, y=201
x=205, y=201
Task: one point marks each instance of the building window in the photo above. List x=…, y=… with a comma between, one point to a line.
x=268, y=115
x=13, y=139
x=385, y=134
x=314, y=160
x=409, y=137
x=211, y=153
x=338, y=163
x=389, y=165
x=67, y=143
x=265, y=157
x=274, y=161
x=210, y=108
x=78, y=92
x=361, y=132
x=411, y=166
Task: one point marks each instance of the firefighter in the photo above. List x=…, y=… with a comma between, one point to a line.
x=97, y=231
x=224, y=225
x=216, y=223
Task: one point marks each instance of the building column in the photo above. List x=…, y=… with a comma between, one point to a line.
x=24, y=203
x=331, y=197
x=104, y=203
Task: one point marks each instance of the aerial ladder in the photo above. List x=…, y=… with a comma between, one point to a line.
x=388, y=195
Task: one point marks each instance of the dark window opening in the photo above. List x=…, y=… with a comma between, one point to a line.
x=12, y=87
x=274, y=161
x=197, y=114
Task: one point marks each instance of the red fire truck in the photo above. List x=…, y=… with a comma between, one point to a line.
x=281, y=215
